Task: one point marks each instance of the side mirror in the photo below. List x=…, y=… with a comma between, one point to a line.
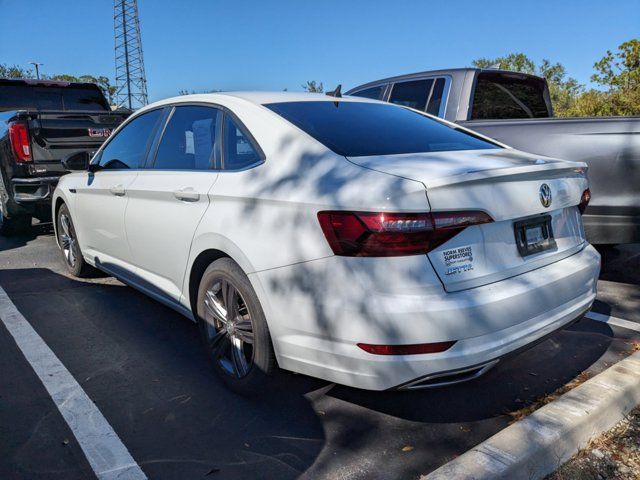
x=77, y=161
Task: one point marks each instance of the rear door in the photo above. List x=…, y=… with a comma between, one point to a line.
x=102, y=198
x=169, y=197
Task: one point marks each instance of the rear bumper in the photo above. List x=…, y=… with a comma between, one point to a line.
x=34, y=189
x=487, y=322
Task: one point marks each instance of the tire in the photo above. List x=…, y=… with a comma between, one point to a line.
x=14, y=225
x=230, y=337
x=69, y=246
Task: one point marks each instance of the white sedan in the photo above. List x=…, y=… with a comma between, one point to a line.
x=344, y=238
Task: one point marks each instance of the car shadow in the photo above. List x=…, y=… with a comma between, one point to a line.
x=37, y=229
x=144, y=367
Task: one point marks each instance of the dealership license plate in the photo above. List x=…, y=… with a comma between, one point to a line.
x=534, y=235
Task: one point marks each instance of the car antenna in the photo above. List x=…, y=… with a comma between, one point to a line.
x=337, y=92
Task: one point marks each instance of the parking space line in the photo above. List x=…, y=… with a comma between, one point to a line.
x=618, y=322
x=106, y=453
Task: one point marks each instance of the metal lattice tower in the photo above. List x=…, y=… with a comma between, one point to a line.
x=131, y=82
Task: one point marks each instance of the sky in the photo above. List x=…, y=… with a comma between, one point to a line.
x=271, y=45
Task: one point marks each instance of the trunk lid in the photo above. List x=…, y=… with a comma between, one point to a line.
x=506, y=184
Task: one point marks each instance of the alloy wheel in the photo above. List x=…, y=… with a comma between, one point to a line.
x=68, y=241
x=229, y=328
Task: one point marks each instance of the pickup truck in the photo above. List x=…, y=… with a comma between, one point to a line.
x=515, y=109
x=42, y=123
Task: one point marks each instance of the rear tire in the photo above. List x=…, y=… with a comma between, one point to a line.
x=234, y=329
x=15, y=225
x=69, y=246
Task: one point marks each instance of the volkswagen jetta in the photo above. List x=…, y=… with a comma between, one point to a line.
x=364, y=243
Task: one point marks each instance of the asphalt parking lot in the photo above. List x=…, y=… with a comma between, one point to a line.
x=143, y=367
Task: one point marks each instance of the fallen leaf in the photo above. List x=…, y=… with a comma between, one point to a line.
x=407, y=448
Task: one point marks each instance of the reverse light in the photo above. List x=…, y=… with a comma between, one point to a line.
x=369, y=234
x=19, y=139
x=584, y=200
x=414, y=349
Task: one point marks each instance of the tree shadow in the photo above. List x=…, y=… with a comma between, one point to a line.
x=144, y=367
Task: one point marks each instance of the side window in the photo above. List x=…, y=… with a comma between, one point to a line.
x=412, y=94
x=189, y=139
x=436, y=97
x=128, y=148
x=374, y=92
x=239, y=151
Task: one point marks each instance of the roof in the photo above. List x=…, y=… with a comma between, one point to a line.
x=258, y=98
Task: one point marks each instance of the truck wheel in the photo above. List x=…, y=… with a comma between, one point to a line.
x=69, y=246
x=14, y=225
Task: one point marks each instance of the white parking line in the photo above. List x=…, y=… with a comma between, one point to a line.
x=618, y=322
x=107, y=455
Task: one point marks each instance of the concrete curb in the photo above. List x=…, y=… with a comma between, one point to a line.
x=538, y=444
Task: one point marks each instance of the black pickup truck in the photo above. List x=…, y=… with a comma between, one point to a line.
x=41, y=123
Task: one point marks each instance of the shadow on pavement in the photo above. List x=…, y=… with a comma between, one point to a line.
x=143, y=366
x=36, y=230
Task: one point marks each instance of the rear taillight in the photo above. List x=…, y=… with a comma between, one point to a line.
x=368, y=234
x=584, y=200
x=19, y=139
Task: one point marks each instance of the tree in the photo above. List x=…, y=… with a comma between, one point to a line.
x=619, y=73
x=564, y=90
x=517, y=62
x=313, y=87
x=620, y=70
x=14, y=71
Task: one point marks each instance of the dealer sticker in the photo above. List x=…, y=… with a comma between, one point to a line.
x=458, y=260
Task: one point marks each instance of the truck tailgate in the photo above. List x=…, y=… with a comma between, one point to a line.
x=57, y=134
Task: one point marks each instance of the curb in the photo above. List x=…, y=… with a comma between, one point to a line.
x=540, y=443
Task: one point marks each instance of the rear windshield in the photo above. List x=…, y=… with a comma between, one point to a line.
x=499, y=95
x=39, y=97
x=356, y=129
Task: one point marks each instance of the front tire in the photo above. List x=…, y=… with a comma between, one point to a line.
x=234, y=329
x=69, y=246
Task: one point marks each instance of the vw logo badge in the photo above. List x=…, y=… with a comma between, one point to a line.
x=545, y=195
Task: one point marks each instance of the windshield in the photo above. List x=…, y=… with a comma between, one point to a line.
x=356, y=129
x=40, y=97
x=501, y=95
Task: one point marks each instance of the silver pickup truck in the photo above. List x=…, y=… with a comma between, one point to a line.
x=515, y=109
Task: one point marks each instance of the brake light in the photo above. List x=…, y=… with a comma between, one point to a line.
x=414, y=349
x=19, y=139
x=584, y=200
x=368, y=234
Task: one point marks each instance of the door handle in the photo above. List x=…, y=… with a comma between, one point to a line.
x=118, y=190
x=187, y=194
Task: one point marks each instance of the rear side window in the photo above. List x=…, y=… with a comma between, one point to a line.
x=128, y=148
x=500, y=96
x=189, y=139
x=412, y=94
x=436, y=97
x=374, y=93
x=239, y=151
x=355, y=129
